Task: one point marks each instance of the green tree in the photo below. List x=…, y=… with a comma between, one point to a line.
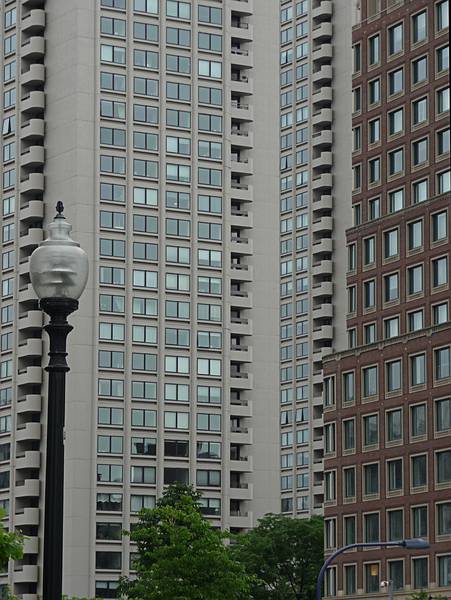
x=11, y=547
x=180, y=556
x=284, y=555
x=423, y=595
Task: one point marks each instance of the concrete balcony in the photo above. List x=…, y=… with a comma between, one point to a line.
x=33, y=185
x=33, y=3
x=241, y=166
x=34, y=77
x=240, y=520
x=241, y=410
x=242, y=86
x=242, y=31
x=31, y=239
x=241, y=219
x=325, y=267
x=29, y=403
x=323, y=311
x=28, y=573
x=244, y=492
x=323, y=162
x=28, y=488
x=33, y=319
x=322, y=98
x=241, y=138
x=324, y=204
x=325, y=224
x=29, y=460
x=33, y=130
x=241, y=272
x=29, y=516
x=323, y=76
x=34, y=103
x=34, y=210
x=244, y=465
x=241, y=112
x=34, y=22
x=241, y=327
x=241, y=435
x=240, y=299
x=240, y=354
x=323, y=55
x=24, y=266
x=244, y=7
x=325, y=288
x=31, y=545
x=34, y=48
x=326, y=332
x=322, y=139
x=241, y=192
x=27, y=294
x=241, y=245
x=317, y=379
x=323, y=12
x=323, y=182
x=318, y=489
x=30, y=376
x=324, y=246
x=323, y=33
x=241, y=58
x=34, y=156
x=323, y=118
x=241, y=381
x=32, y=347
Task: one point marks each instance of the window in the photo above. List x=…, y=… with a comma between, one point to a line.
x=419, y=111
x=143, y=446
x=374, y=170
x=443, y=415
x=396, y=39
x=109, y=502
x=146, y=6
x=209, y=204
x=440, y=313
x=420, y=573
x=444, y=570
x=178, y=64
x=142, y=475
x=442, y=15
x=396, y=81
x=114, y=27
x=444, y=182
x=419, y=27
x=443, y=142
x=393, y=373
x=209, y=95
x=369, y=294
x=418, y=370
x=373, y=209
x=415, y=320
x=108, y=560
x=144, y=418
x=349, y=483
x=209, y=450
x=395, y=525
x=177, y=364
x=391, y=245
x=442, y=59
x=391, y=327
x=349, y=387
x=444, y=518
x=209, y=68
x=349, y=434
x=371, y=479
x=371, y=527
x=110, y=416
x=369, y=251
x=439, y=226
x=178, y=200
x=110, y=192
x=419, y=152
x=394, y=475
x=140, y=501
x=415, y=235
x=440, y=271
x=178, y=37
x=112, y=54
x=419, y=521
x=418, y=470
x=396, y=162
x=206, y=478
x=418, y=420
x=419, y=70
x=374, y=91
x=349, y=527
x=396, y=121
x=374, y=50
x=444, y=466
x=178, y=9
x=442, y=363
x=179, y=173
x=109, y=473
x=370, y=430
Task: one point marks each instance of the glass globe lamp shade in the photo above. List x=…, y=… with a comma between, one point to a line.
x=58, y=266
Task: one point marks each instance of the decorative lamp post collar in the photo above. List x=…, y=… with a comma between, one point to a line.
x=59, y=267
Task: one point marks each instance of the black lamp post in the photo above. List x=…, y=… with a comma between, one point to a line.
x=58, y=271
x=412, y=544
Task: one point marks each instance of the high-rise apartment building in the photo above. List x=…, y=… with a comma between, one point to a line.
x=141, y=115
x=387, y=400
x=315, y=209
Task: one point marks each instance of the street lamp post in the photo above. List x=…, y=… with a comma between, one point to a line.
x=412, y=544
x=58, y=271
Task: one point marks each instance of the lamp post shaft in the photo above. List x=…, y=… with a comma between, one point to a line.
x=58, y=329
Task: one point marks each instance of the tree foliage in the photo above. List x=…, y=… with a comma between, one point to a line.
x=423, y=595
x=284, y=555
x=180, y=556
x=11, y=548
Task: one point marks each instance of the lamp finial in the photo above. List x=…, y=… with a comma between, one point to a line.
x=60, y=210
